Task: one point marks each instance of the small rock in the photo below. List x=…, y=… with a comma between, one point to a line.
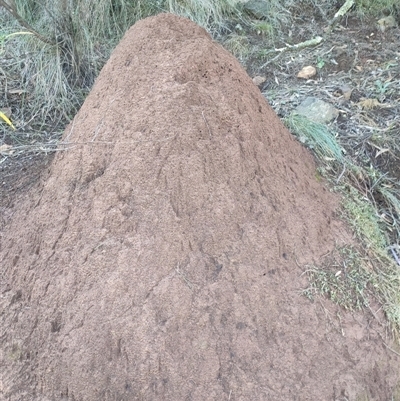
x=258, y=80
x=317, y=110
x=307, y=72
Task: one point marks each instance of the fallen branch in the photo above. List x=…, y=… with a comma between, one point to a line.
x=317, y=40
x=312, y=42
x=301, y=45
x=342, y=11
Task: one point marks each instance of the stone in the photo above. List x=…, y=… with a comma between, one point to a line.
x=317, y=110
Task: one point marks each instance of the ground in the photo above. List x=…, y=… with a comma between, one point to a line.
x=356, y=56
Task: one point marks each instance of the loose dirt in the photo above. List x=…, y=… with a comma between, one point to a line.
x=159, y=256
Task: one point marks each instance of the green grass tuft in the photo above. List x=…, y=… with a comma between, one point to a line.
x=315, y=136
x=352, y=277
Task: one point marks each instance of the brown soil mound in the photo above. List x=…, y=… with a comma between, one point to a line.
x=157, y=260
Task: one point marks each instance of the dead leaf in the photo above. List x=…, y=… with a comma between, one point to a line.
x=369, y=104
x=307, y=72
x=344, y=91
x=381, y=151
x=6, y=149
x=258, y=80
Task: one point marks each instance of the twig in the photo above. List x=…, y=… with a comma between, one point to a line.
x=185, y=279
x=317, y=40
x=341, y=175
x=391, y=349
x=387, y=346
x=342, y=11
x=312, y=42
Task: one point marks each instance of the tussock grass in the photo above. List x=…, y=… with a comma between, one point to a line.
x=363, y=218
x=316, y=136
x=379, y=257
x=239, y=46
x=353, y=277
x=74, y=38
x=210, y=14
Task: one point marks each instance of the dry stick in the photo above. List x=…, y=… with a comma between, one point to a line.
x=342, y=11
x=312, y=42
x=317, y=40
x=341, y=174
x=13, y=11
x=391, y=349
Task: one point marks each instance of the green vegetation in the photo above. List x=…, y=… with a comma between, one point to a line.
x=238, y=45
x=316, y=136
x=374, y=7
x=363, y=218
x=352, y=277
